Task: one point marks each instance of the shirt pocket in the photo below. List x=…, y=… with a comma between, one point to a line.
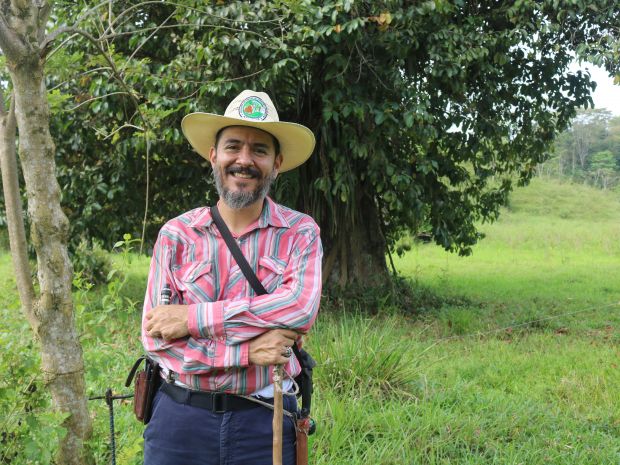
x=271, y=272
x=195, y=282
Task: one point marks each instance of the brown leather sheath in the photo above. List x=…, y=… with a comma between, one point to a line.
x=147, y=382
x=140, y=395
x=302, y=428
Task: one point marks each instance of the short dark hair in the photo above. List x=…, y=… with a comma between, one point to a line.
x=276, y=142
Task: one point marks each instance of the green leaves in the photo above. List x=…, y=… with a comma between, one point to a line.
x=29, y=431
x=421, y=109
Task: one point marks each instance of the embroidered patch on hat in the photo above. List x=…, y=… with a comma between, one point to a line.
x=253, y=108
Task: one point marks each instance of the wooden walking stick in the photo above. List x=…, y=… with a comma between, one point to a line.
x=278, y=414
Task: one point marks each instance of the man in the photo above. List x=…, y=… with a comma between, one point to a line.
x=217, y=335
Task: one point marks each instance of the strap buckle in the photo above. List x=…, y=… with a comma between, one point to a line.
x=219, y=402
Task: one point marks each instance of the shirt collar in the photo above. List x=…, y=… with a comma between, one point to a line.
x=272, y=215
x=202, y=219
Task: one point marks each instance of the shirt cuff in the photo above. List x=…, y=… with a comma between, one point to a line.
x=243, y=354
x=206, y=320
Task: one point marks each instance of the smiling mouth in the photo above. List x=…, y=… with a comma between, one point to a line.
x=243, y=173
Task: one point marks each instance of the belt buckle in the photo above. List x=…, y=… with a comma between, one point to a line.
x=219, y=402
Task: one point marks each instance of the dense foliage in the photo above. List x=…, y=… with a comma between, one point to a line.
x=424, y=113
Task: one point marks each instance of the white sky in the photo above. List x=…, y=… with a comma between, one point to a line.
x=606, y=95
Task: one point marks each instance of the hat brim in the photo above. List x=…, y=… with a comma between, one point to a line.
x=296, y=141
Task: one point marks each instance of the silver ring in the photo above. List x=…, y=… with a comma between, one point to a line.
x=287, y=352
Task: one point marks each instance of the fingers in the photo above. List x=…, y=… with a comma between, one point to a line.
x=281, y=361
x=287, y=334
x=167, y=322
x=282, y=358
x=272, y=347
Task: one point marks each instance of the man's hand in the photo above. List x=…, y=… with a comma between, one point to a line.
x=267, y=349
x=168, y=322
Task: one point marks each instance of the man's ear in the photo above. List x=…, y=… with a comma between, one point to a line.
x=212, y=156
x=278, y=162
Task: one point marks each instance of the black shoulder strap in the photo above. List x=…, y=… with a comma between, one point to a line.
x=245, y=267
x=304, y=359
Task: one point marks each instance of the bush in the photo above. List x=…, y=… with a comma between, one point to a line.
x=91, y=262
x=29, y=428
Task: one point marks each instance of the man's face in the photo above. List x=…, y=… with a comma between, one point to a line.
x=244, y=165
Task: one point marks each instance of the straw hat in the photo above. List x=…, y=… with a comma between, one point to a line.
x=254, y=109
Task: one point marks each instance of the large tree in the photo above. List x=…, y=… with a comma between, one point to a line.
x=426, y=114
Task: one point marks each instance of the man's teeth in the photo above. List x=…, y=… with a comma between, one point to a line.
x=242, y=175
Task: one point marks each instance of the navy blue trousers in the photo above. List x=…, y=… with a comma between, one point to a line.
x=179, y=434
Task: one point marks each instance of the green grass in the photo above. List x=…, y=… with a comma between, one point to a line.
x=519, y=365
x=539, y=259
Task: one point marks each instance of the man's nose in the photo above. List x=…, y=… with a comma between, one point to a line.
x=244, y=156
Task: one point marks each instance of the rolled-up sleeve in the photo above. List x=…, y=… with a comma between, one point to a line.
x=207, y=352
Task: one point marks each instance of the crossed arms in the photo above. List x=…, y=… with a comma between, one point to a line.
x=233, y=332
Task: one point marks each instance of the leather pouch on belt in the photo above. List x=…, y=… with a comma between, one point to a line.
x=146, y=384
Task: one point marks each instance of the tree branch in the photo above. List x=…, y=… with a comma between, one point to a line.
x=86, y=102
x=124, y=126
x=51, y=37
x=75, y=76
x=43, y=14
x=190, y=8
x=105, y=36
x=10, y=42
x=133, y=98
x=179, y=25
x=110, y=20
x=13, y=206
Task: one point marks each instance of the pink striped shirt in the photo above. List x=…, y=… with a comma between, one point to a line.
x=284, y=249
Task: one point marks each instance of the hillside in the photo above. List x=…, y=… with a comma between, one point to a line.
x=551, y=198
x=556, y=248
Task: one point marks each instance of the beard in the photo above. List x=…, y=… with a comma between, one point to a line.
x=242, y=199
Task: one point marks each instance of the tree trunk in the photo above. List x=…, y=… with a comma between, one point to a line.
x=51, y=317
x=355, y=255
x=22, y=31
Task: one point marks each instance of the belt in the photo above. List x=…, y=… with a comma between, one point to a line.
x=216, y=402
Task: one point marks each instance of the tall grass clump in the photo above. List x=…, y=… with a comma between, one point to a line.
x=363, y=355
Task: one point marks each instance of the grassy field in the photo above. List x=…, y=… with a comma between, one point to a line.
x=517, y=365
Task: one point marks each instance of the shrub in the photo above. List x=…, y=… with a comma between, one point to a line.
x=29, y=428
x=359, y=355
x=91, y=262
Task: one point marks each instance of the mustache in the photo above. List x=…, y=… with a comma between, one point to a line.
x=243, y=170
